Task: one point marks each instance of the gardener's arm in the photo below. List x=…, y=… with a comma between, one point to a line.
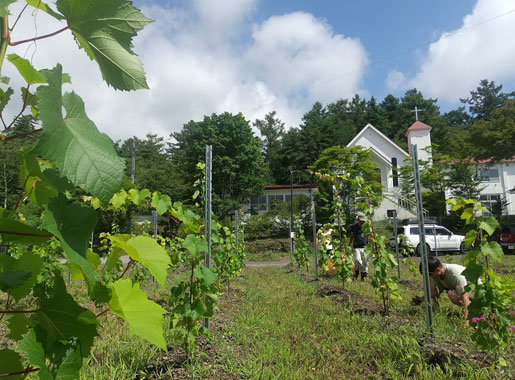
x=465, y=301
x=351, y=238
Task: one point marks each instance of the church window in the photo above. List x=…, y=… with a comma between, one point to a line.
x=394, y=172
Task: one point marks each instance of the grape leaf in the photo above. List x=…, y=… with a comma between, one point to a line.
x=81, y=153
x=4, y=7
x=45, y=8
x=18, y=325
x=473, y=272
x=492, y=249
x=205, y=274
x=5, y=96
x=36, y=183
x=138, y=196
x=33, y=263
x=10, y=362
x=161, y=202
x=147, y=251
x=489, y=225
x=68, y=360
x=65, y=357
x=10, y=280
x=118, y=199
x=14, y=231
x=104, y=29
x=72, y=224
x=145, y=318
x=62, y=318
x=195, y=244
x=112, y=259
x=75, y=269
x=29, y=73
x=33, y=346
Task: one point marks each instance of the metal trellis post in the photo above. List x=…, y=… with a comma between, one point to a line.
x=207, y=255
x=291, y=215
x=313, y=214
x=236, y=227
x=396, y=244
x=422, y=244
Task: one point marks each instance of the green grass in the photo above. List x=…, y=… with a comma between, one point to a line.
x=281, y=329
x=273, y=324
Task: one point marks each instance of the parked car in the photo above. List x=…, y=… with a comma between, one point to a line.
x=438, y=238
x=508, y=238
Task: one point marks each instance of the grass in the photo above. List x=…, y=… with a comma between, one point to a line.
x=282, y=329
x=274, y=323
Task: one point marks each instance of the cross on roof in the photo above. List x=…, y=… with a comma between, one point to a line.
x=416, y=110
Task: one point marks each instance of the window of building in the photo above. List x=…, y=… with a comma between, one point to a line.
x=489, y=174
x=489, y=200
x=394, y=172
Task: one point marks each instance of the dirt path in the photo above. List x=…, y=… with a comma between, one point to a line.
x=263, y=264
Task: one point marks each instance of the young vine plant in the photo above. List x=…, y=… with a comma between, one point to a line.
x=492, y=308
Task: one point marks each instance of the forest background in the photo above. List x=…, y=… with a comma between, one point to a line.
x=247, y=156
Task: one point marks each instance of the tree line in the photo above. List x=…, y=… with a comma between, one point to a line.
x=483, y=127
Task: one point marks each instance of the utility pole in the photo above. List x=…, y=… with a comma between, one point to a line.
x=133, y=168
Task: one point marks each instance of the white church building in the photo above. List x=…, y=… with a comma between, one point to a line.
x=498, y=179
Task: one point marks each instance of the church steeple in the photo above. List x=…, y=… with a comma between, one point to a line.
x=420, y=134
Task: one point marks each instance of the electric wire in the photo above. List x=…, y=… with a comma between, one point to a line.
x=379, y=61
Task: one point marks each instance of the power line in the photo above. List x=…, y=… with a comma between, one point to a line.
x=384, y=59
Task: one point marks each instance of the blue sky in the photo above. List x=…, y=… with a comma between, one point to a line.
x=257, y=56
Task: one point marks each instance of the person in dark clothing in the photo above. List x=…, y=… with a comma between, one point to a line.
x=358, y=243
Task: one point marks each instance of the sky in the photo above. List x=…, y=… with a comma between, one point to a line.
x=256, y=56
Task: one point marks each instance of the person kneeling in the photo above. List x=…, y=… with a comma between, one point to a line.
x=448, y=278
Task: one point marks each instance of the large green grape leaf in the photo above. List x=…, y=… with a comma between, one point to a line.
x=26, y=70
x=147, y=251
x=104, y=29
x=81, y=153
x=72, y=224
x=18, y=232
x=62, y=318
x=145, y=318
x=10, y=362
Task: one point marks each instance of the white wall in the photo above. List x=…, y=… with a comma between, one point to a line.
x=421, y=138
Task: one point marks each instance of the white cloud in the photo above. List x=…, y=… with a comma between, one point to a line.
x=396, y=80
x=457, y=62
x=297, y=52
x=206, y=59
